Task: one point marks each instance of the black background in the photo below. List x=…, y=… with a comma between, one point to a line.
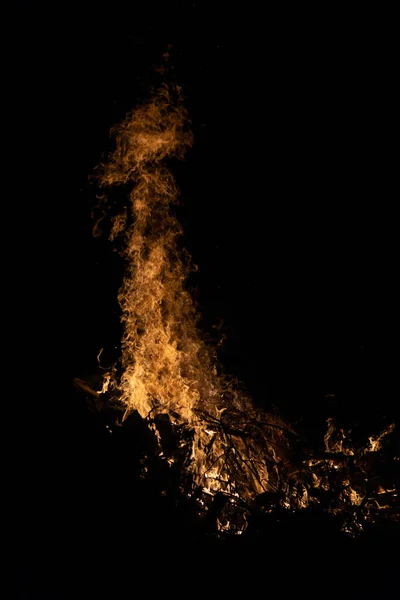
x=288, y=206
x=288, y=195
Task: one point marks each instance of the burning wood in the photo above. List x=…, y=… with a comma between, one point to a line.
x=217, y=454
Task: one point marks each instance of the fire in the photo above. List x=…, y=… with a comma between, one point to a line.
x=166, y=366
x=375, y=442
x=162, y=352
x=172, y=378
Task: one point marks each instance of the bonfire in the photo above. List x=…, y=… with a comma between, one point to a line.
x=229, y=459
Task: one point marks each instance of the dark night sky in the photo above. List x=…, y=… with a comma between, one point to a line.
x=288, y=193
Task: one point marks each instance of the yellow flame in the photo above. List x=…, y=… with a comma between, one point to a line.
x=167, y=367
x=376, y=441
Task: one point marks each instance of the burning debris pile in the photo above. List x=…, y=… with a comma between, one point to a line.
x=229, y=461
x=263, y=471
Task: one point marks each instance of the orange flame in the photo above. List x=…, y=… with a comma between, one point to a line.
x=166, y=366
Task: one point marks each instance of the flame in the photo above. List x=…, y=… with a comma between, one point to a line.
x=168, y=370
x=161, y=349
x=166, y=366
x=375, y=442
